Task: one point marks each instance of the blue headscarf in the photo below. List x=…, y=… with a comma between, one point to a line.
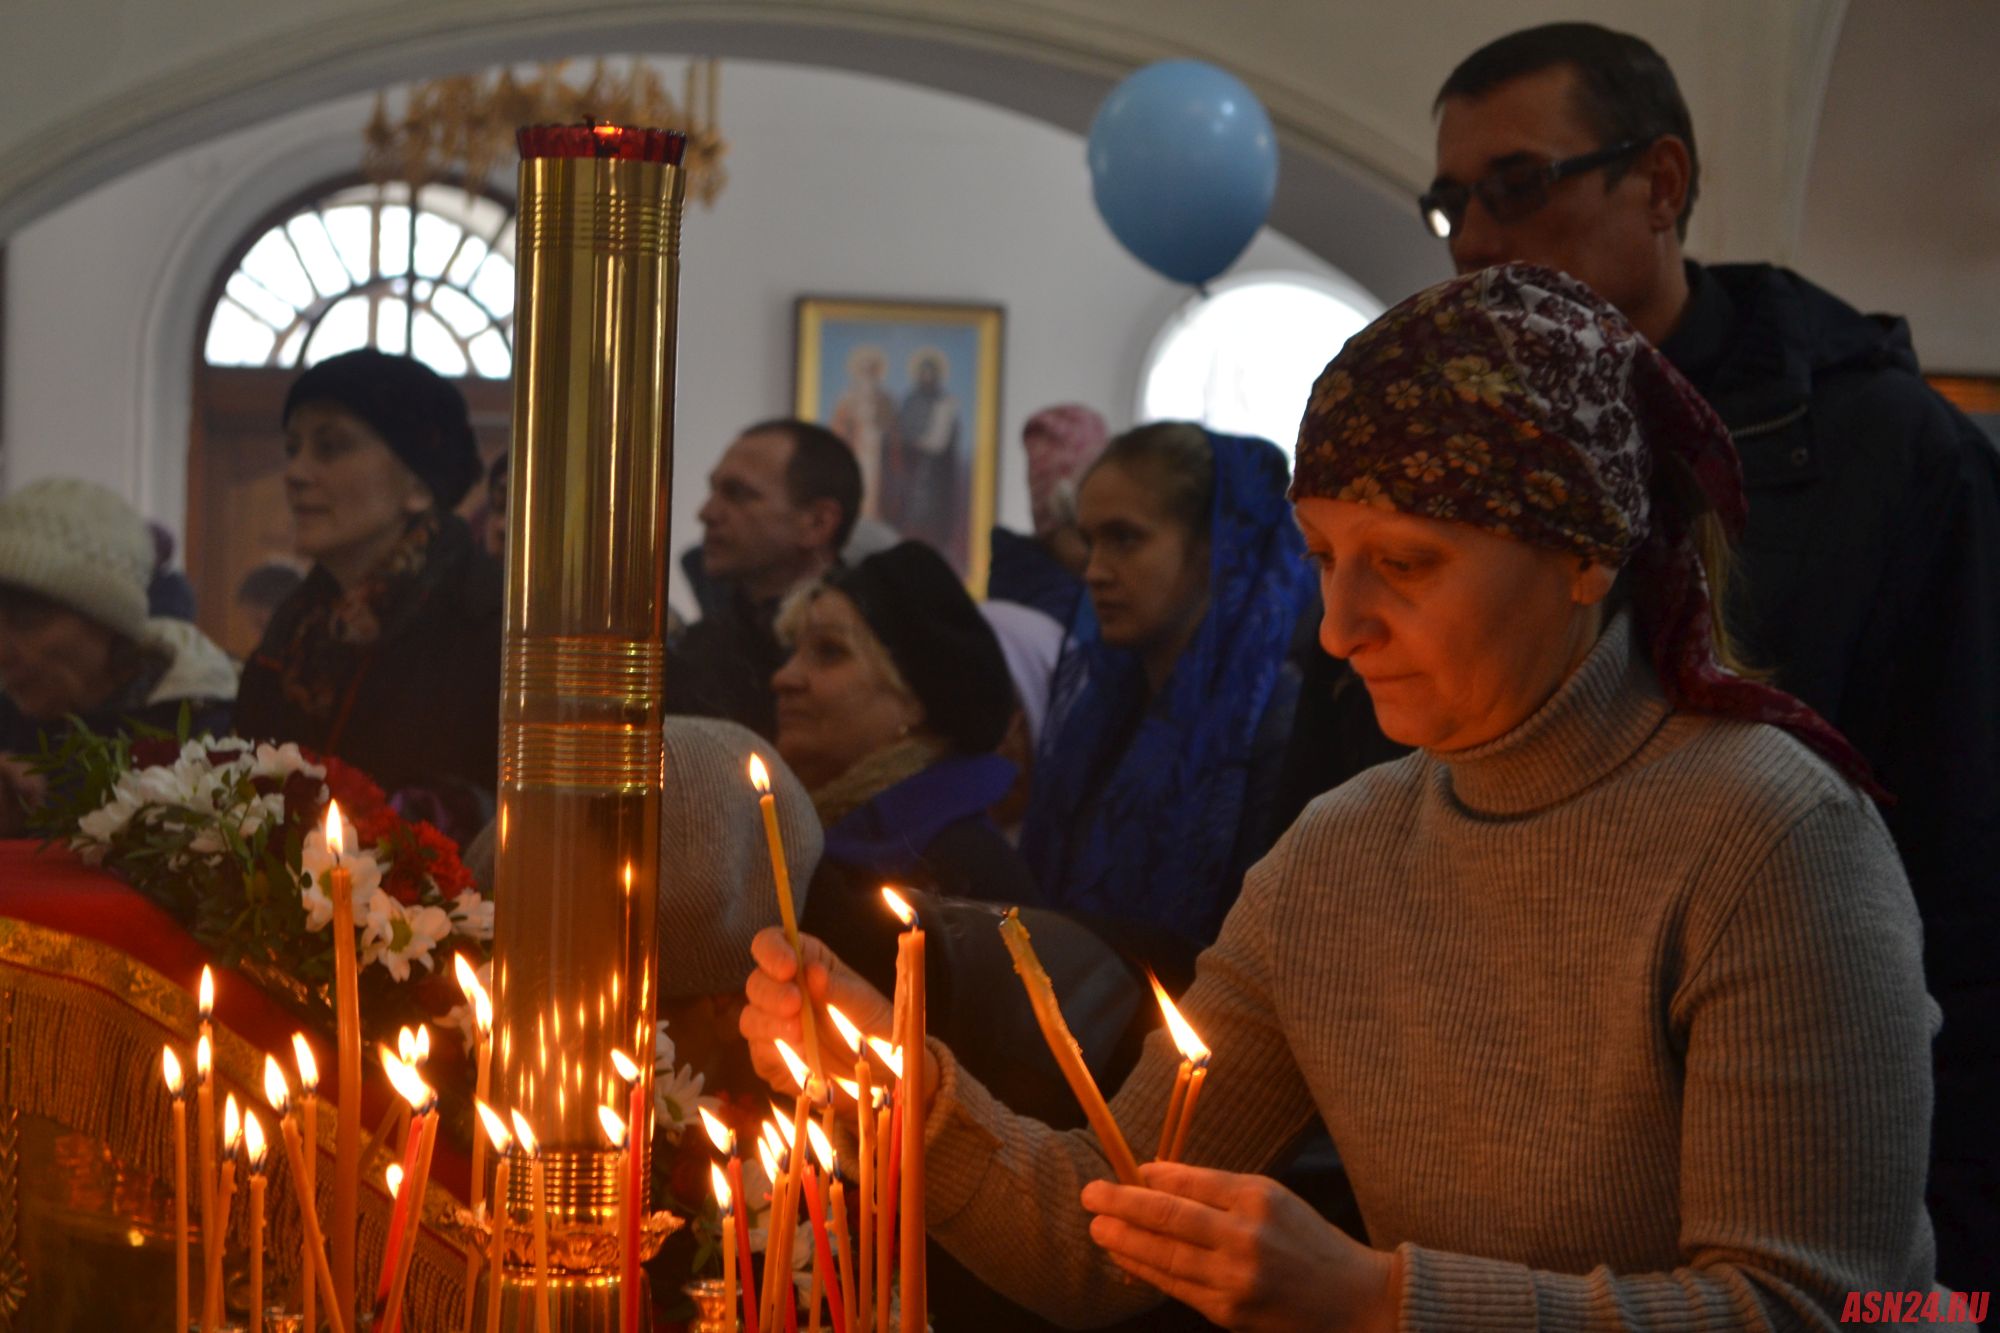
x=1155, y=837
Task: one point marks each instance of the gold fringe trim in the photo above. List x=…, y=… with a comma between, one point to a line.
x=87, y=1026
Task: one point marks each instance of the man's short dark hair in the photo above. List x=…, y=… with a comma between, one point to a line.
x=822, y=467
x=1624, y=89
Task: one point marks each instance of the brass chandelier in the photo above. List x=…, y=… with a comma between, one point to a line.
x=464, y=125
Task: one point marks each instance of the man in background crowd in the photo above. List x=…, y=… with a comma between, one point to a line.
x=781, y=503
x=1870, y=568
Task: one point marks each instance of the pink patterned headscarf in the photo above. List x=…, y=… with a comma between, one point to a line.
x=1062, y=442
x=1517, y=400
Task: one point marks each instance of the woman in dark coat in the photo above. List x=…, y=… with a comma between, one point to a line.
x=388, y=655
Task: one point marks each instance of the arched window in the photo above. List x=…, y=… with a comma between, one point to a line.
x=1242, y=360
x=359, y=267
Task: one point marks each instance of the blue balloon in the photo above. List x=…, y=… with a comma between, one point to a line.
x=1183, y=164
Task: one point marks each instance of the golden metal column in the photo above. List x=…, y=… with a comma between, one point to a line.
x=580, y=749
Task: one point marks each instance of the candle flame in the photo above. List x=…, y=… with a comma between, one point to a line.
x=768, y=1134
x=232, y=1125
x=892, y=1056
x=206, y=1004
x=720, y=1183
x=496, y=1128
x=423, y=1042
x=253, y=1140
x=721, y=1135
x=768, y=1160
x=482, y=1012
x=275, y=1091
x=336, y=834
x=899, y=906
x=308, y=1067
x=406, y=1045
x=760, y=777
x=793, y=1065
x=409, y=1084
x=395, y=1177
x=204, y=1058
x=850, y=1087
x=822, y=1149
x=1192, y=1048
x=524, y=1133
x=614, y=1126
x=848, y=1032
x=785, y=1128
x=170, y=1065
x=624, y=1064
x=880, y=1096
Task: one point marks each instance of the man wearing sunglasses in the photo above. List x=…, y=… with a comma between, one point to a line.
x=1871, y=564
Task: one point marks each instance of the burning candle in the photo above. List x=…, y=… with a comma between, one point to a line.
x=204, y=1069
x=635, y=1178
x=279, y=1096
x=760, y=778
x=888, y=1177
x=539, y=1203
x=620, y=1137
x=347, y=1029
x=1187, y=1083
x=723, y=1215
x=482, y=1025
x=823, y=1267
x=408, y=1217
x=225, y=1196
x=724, y=1139
x=910, y=1036
x=496, y=1130
x=1055, y=1031
x=253, y=1148
x=309, y=1120
x=170, y=1065
x=864, y=1133
x=844, y=1299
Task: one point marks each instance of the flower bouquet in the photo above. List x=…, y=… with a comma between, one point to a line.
x=228, y=836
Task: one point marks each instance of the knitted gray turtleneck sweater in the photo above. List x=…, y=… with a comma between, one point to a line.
x=1617, y=1022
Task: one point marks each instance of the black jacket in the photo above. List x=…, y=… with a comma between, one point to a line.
x=1871, y=585
x=424, y=710
x=721, y=666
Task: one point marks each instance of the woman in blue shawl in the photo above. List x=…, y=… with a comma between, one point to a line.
x=1170, y=706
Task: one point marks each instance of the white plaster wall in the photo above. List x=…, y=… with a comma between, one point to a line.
x=840, y=184
x=1902, y=209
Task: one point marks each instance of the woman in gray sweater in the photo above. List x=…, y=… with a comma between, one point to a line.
x=1610, y=994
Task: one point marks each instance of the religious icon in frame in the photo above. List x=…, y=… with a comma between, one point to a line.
x=914, y=389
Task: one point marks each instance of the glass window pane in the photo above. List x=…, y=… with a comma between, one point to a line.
x=459, y=310
x=392, y=326
x=491, y=356
x=235, y=339
x=467, y=263
x=436, y=239
x=493, y=286
x=1244, y=359
x=328, y=274
x=435, y=347
x=259, y=302
x=341, y=329
x=351, y=226
x=395, y=226
x=288, y=355
x=272, y=262
x=504, y=242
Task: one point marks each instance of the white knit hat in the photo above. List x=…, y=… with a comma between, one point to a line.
x=76, y=543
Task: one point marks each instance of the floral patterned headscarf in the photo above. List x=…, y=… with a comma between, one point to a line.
x=1517, y=400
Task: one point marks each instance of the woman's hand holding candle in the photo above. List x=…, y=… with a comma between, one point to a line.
x=773, y=1011
x=1243, y=1251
